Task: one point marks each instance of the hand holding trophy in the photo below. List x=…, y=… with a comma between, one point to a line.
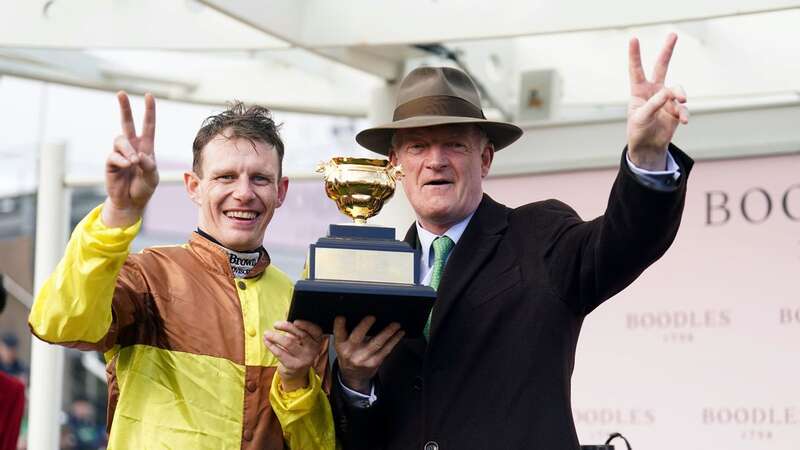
x=361, y=270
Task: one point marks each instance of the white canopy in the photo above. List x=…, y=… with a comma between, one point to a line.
x=322, y=56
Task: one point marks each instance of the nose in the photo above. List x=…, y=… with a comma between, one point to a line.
x=437, y=159
x=243, y=191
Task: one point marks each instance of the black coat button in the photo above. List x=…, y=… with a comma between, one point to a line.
x=417, y=384
x=431, y=445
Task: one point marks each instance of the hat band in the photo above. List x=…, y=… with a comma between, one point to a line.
x=437, y=105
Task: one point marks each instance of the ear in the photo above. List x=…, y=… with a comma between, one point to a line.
x=395, y=161
x=283, y=187
x=192, y=183
x=487, y=155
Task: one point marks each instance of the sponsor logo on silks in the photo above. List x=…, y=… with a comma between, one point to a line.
x=241, y=263
x=238, y=261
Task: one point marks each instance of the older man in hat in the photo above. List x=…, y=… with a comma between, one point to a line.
x=514, y=285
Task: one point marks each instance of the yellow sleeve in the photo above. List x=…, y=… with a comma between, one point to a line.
x=74, y=306
x=305, y=414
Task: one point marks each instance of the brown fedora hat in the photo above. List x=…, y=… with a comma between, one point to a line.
x=431, y=96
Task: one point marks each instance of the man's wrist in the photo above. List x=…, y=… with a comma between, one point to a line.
x=358, y=385
x=115, y=217
x=293, y=383
x=649, y=159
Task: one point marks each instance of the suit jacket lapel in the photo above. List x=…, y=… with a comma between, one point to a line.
x=476, y=244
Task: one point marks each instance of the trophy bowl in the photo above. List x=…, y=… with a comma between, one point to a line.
x=359, y=186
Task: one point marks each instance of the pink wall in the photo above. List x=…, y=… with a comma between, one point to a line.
x=701, y=352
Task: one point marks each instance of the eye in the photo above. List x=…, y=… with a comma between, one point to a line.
x=415, y=147
x=226, y=177
x=457, y=146
x=261, y=180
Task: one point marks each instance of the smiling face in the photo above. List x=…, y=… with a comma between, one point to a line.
x=444, y=167
x=238, y=189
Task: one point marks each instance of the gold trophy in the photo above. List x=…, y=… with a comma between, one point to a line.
x=359, y=186
x=359, y=269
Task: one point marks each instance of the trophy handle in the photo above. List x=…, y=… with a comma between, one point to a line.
x=324, y=168
x=395, y=172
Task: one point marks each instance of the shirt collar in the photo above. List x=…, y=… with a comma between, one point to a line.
x=217, y=257
x=426, y=237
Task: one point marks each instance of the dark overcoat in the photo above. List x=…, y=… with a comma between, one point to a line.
x=496, y=371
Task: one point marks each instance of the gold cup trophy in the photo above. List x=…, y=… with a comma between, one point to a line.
x=359, y=269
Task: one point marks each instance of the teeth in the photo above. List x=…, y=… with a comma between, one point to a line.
x=241, y=214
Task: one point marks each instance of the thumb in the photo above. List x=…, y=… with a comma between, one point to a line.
x=655, y=103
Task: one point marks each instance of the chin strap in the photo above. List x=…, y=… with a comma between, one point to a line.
x=617, y=435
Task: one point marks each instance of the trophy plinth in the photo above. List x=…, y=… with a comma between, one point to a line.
x=357, y=269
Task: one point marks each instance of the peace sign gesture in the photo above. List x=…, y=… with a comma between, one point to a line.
x=654, y=111
x=131, y=173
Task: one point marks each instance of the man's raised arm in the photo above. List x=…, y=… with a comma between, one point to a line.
x=74, y=306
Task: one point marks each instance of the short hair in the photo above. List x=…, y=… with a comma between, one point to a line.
x=254, y=123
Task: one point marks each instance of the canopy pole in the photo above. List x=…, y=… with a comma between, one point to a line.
x=396, y=212
x=47, y=361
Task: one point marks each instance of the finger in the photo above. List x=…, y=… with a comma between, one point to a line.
x=635, y=71
x=286, y=358
x=655, y=103
x=123, y=146
x=116, y=161
x=679, y=93
x=290, y=328
x=287, y=341
x=361, y=329
x=684, y=114
x=672, y=107
x=126, y=115
x=380, y=340
x=149, y=125
x=662, y=64
x=312, y=329
x=147, y=162
x=339, y=331
x=388, y=347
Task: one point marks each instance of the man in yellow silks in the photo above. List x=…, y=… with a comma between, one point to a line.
x=181, y=326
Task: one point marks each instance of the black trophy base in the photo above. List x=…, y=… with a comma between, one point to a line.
x=320, y=301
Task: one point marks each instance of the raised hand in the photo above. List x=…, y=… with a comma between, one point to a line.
x=360, y=357
x=654, y=111
x=131, y=173
x=297, y=345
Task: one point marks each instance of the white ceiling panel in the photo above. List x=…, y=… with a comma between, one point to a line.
x=138, y=24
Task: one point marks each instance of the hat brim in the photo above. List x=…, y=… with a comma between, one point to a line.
x=379, y=139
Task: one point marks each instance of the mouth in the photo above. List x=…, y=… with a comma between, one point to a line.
x=438, y=182
x=241, y=215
